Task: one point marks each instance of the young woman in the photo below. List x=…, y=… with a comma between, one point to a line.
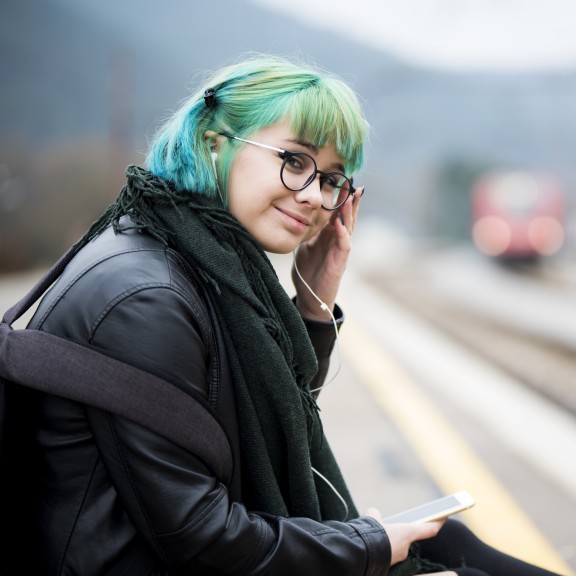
x=174, y=279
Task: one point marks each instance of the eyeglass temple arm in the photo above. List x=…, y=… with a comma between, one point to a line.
x=254, y=143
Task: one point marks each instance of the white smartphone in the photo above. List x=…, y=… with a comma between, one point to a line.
x=435, y=510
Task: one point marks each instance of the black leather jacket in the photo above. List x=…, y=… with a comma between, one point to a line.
x=104, y=485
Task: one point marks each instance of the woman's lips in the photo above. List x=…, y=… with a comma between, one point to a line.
x=294, y=219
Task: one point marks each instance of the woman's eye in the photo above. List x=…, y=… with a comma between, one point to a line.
x=292, y=162
x=332, y=181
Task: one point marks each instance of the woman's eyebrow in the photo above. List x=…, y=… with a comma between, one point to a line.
x=314, y=149
x=303, y=143
x=339, y=167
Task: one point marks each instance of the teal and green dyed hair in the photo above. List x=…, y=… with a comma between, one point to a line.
x=253, y=94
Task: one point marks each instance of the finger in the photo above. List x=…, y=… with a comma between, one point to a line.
x=346, y=213
x=358, y=194
x=428, y=529
x=349, y=212
x=344, y=233
x=336, y=215
x=357, y=201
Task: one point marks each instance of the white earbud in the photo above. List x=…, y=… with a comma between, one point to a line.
x=214, y=157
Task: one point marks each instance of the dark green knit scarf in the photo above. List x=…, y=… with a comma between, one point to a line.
x=270, y=354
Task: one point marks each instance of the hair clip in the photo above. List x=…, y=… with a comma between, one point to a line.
x=210, y=98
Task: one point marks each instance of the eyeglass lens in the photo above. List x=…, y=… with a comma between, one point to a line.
x=299, y=170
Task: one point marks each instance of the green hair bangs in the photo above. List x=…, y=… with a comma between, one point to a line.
x=320, y=108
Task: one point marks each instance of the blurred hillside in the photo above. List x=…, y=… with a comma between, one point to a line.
x=83, y=84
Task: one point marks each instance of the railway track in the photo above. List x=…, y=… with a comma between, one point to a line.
x=546, y=366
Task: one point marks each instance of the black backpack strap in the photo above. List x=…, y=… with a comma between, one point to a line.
x=51, y=364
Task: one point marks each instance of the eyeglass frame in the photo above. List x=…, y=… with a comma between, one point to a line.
x=289, y=154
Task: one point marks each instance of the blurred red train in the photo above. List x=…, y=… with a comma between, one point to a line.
x=518, y=216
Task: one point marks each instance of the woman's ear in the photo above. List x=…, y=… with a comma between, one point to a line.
x=213, y=139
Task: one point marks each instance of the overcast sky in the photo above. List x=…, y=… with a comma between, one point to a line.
x=455, y=34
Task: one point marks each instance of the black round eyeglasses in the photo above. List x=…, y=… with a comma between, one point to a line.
x=299, y=170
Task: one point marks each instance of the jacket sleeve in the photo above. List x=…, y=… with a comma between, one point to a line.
x=175, y=502
x=186, y=516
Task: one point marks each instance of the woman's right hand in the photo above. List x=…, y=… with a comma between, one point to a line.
x=401, y=535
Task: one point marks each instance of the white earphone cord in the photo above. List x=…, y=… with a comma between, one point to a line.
x=331, y=486
x=323, y=306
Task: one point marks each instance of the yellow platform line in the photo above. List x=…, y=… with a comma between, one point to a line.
x=452, y=464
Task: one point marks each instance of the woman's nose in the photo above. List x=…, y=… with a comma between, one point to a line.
x=312, y=193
